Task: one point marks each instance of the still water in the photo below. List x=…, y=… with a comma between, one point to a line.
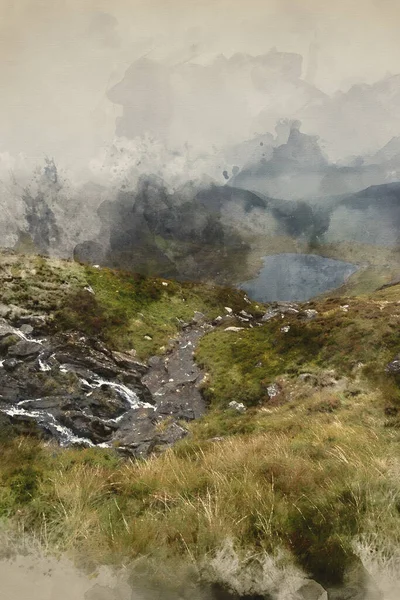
x=297, y=277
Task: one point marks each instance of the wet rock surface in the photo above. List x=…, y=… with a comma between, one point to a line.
x=73, y=388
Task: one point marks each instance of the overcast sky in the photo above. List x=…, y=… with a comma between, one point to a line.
x=58, y=57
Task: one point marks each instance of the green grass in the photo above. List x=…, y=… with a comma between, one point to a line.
x=242, y=365
x=125, y=309
x=308, y=472
x=308, y=490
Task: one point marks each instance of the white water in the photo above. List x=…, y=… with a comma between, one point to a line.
x=127, y=394
x=65, y=436
x=22, y=335
x=44, y=366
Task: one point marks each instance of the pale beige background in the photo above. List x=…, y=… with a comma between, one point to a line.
x=58, y=57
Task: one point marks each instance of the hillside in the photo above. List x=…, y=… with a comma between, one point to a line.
x=286, y=468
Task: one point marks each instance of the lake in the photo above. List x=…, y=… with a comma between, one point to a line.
x=297, y=277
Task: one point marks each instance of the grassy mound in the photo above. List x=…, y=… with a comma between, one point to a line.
x=346, y=335
x=125, y=310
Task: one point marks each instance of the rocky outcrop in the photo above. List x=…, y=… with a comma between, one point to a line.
x=74, y=389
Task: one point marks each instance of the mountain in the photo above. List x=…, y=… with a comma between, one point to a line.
x=357, y=121
x=371, y=216
x=299, y=170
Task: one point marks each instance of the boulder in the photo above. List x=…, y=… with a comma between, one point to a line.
x=311, y=590
x=198, y=318
x=238, y=406
x=6, y=330
x=25, y=349
x=10, y=364
x=394, y=366
x=127, y=361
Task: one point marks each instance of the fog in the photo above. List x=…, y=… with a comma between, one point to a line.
x=290, y=101
x=58, y=60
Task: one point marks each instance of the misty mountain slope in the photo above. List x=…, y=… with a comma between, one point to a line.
x=361, y=119
x=206, y=236
x=299, y=170
x=320, y=500
x=371, y=216
x=202, y=230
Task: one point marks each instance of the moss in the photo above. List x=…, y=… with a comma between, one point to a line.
x=345, y=333
x=134, y=311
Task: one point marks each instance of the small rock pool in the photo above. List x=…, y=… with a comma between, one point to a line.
x=297, y=277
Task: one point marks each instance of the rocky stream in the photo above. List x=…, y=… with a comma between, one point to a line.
x=74, y=389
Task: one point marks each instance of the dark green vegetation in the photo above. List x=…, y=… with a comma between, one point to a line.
x=123, y=309
x=311, y=468
x=345, y=335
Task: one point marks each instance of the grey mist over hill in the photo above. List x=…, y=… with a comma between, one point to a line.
x=192, y=142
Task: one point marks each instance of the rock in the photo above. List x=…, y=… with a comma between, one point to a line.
x=147, y=337
x=287, y=307
x=273, y=390
x=74, y=389
x=5, y=331
x=125, y=360
x=393, y=366
x=233, y=328
x=238, y=406
x=198, y=318
x=11, y=311
x=220, y=320
x=10, y=364
x=86, y=427
x=280, y=309
x=228, y=310
x=270, y=314
x=171, y=435
x=24, y=349
x=132, y=352
x=26, y=329
x=34, y=320
x=357, y=585
x=310, y=314
x=311, y=590
x=155, y=361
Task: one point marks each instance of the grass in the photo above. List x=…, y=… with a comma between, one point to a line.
x=311, y=472
x=126, y=310
x=309, y=491
x=378, y=265
x=346, y=333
